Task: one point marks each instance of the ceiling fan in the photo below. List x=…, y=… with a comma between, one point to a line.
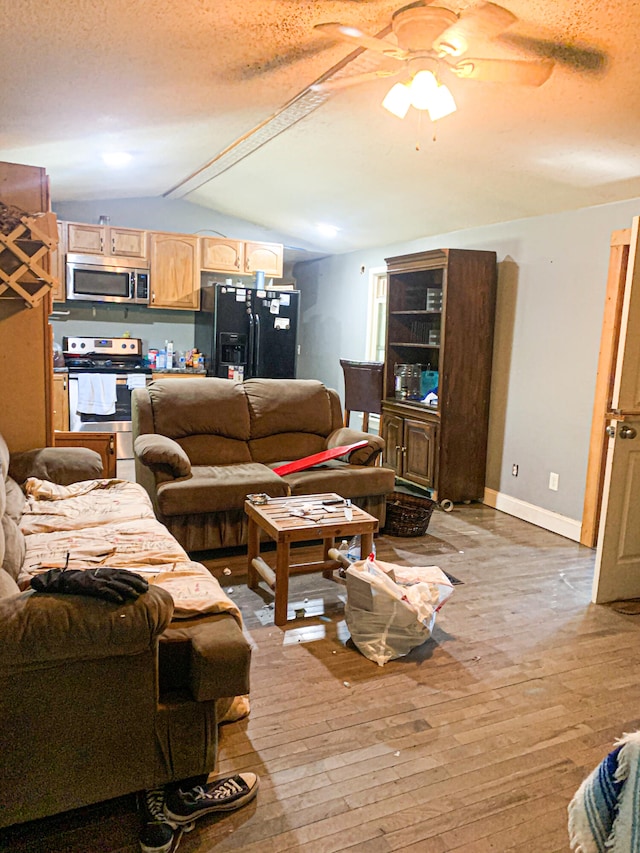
x=431, y=39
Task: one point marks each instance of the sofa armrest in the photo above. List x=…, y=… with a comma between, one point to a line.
x=365, y=455
x=211, y=658
x=61, y=465
x=39, y=630
x=162, y=455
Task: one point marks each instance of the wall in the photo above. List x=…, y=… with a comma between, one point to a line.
x=551, y=286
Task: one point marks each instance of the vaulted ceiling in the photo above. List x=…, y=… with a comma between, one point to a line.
x=195, y=91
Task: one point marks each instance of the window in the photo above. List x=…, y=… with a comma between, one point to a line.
x=377, y=314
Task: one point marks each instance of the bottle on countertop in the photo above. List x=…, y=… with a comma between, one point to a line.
x=169, y=351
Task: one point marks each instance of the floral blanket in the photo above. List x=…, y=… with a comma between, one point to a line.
x=112, y=523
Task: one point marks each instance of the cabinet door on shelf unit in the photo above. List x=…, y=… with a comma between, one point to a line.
x=421, y=442
x=393, y=443
x=222, y=255
x=174, y=271
x=266, y=257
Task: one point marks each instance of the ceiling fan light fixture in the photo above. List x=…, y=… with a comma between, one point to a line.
x=441, y=104
x=398, y=100
x=422, y=89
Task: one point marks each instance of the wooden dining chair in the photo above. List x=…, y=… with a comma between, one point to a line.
x=362, y=389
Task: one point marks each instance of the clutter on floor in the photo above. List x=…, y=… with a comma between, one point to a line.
x=391, y=609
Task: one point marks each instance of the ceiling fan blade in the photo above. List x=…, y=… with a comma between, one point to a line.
x=520, y=72
x=336, y=83
x=589, y=60
x=482, y=21
x=359, y=39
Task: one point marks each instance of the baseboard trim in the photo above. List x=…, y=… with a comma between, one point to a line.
x=553, y=521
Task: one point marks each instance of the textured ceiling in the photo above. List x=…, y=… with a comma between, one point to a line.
x=177, y=83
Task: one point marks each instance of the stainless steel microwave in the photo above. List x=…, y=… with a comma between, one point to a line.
x=107, y=279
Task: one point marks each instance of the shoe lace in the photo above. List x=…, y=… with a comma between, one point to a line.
x=154, y=805
x=225, y=789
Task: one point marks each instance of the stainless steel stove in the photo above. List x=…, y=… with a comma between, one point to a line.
x=102, y=374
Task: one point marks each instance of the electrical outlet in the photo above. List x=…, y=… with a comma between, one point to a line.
x=553, y=481
x=514, y=470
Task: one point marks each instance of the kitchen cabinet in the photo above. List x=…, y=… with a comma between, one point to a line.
x=106, y=240
x=267, y=257
x=241, y=257
x=440, y=316
x=60, y=401
x=103, y=443
x=174, y=271
x=222, y=255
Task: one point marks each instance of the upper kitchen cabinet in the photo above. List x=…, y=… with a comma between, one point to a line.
x=266, y=257
x=222, y=255
x=174, y=271
x=241, y=257
x=106, y=240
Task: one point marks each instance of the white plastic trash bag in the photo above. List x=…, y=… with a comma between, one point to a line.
x=391, y=609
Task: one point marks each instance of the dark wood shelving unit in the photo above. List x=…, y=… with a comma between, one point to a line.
x=441, y=307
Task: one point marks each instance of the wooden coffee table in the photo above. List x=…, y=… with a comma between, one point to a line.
x=275, y=519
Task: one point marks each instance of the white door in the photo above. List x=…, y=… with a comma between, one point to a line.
x=617, y=574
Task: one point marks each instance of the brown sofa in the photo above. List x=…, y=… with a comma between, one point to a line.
x=99, y=699
x=202, y=445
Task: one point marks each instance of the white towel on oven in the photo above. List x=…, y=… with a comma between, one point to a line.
x=96, y=393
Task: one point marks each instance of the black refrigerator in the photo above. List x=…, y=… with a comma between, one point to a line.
x=247, y=332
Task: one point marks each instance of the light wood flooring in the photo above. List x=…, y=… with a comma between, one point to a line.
x=474, y=742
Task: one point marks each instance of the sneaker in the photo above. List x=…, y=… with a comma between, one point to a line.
x=221, y=795
x=158, y=832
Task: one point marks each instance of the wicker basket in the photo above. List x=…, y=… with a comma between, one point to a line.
x=407, y=515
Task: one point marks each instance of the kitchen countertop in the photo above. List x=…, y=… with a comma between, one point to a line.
x=196, y=372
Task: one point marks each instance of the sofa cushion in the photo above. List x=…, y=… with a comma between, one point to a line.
x=199, y=407
x=14, y=547
x=15, y=500
x=214, y=449
x=286, y=445
x=7, y=585
x=212, y=488
x=161, y=453
x=286, y=406
x=339, y=477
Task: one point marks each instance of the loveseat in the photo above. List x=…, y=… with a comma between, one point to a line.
x=203, y=445
x=100, y=699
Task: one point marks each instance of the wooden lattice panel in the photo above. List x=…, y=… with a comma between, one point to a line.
x=21, y=255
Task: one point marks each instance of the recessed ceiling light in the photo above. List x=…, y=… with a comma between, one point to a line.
x=328, y=230
x=117, y=159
